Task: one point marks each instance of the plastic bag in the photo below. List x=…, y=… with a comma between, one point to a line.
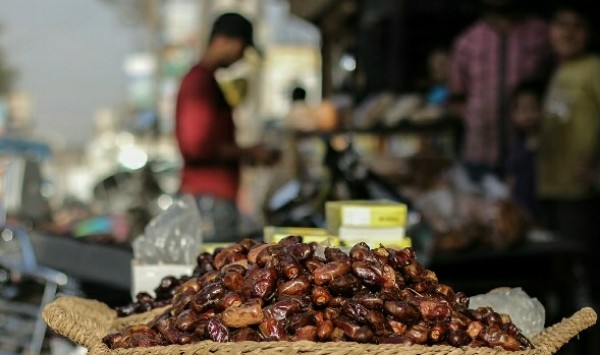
x=527, y=313
x=172, y=237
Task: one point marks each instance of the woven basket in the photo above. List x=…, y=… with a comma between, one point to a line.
x=86, y=321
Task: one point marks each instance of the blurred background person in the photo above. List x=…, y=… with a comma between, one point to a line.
x=569, y=152
x=205, y=132
x=433, y=82
x=526, y=116
x=505, y=46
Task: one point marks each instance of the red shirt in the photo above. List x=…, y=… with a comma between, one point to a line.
x=486, y=66
x=203, y=121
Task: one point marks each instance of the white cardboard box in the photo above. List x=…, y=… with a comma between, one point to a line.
x=145, y=278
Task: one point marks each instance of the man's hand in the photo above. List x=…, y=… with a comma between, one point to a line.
x=260, y=154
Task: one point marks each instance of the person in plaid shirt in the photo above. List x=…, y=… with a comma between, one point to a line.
x=504, y=47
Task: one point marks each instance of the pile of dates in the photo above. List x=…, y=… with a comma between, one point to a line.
x=166, y=289
x=292, y=291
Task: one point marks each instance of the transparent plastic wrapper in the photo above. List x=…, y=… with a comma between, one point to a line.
x=527, y=313
x=172, y=237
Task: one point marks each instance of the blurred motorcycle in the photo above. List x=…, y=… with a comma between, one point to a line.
x=301, y=202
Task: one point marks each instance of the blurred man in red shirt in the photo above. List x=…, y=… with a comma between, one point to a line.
x=205, y=132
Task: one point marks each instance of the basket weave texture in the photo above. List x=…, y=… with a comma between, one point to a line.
x=86, y=322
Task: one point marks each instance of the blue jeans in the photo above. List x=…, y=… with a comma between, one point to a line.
x=219, y=219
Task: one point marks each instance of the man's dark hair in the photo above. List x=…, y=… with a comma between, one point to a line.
x=298, y=94
x=232, y=24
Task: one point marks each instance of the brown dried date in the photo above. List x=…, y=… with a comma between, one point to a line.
x=424, y=287
x=313, y=263
x=244, y=315
x=397, y=327
x=433, y=310
x=290, y=240
x=356, y=311
x=363, y=335
x=337, y=302
x=116, y=340
x=297, y=286
x=167, y=287
x=308, y=332
x=272, y=330
x=201, y=331
x=245, y=334
x=235, y=267
x=418, y=333
x=347, y=326
x=369, y=273
x=144, y=341
x=300, y=251
x=391, y=279
x=217, y=331
x=457, y=337
x=290, y=268
x=255, y=251
x=473, y=329
x=247, y=244
x=382, y=254
x=186, y=320
x=437, y=332
x=233, y=281
x=229, y=255
x=181, y=301
x=413, y=271
x=461, y=301
x=324, y=330
x=190, y=285
x=359, y=251
x=230, y=299
x=299, y=320
x=174, y=336
x=209, y=277
x=368, y=299
x=330, y=271
x=267, y=254
x=446, y=291
x=400, y=258
x=203, y=264
x=402, y=311
x=494, y=336
x=377, y=322
x=335, y=254
x=282, y=309
x=262, y=285
x=346, y=285
x=209, y=295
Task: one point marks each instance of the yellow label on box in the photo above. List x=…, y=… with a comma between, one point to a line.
x=364, y=213
x=376, y=216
